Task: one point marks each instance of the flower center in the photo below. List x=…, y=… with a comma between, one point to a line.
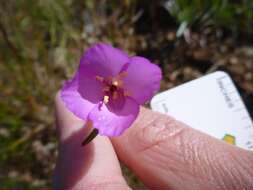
x=113, y=87
x=113, y=90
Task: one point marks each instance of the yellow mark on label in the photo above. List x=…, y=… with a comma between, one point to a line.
x=230, y=139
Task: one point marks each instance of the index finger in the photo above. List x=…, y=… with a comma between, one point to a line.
x=167, y=154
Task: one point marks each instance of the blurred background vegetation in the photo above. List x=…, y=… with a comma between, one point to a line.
x=41, y=42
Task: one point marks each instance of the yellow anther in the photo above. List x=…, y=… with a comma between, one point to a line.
x=106, y=99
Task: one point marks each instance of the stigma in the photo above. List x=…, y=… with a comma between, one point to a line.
x=115, y=83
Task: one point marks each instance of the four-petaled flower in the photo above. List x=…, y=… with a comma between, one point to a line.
x=109, y=88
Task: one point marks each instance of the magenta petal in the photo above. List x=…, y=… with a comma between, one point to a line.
x=73, y=99
x=90, y=88
x=103, y=60
x=108, y=74
x=113, y=122
x=143, y=79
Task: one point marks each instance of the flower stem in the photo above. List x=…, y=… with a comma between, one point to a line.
x=90, y=137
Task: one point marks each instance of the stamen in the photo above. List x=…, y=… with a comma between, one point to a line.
x=108, y=79
x=127, y=93
x=99, y=78
x=106, y=89
x=122, y=74
x=106, y=99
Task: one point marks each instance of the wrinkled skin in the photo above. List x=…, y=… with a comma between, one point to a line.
x=163, y=152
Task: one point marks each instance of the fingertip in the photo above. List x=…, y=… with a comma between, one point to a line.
x=93, y=166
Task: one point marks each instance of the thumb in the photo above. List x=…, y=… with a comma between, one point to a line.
x=93, y=166
x=167, y=154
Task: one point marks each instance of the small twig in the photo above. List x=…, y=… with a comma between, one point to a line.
x=26, y=137
x=7, y=41
x=213, y=68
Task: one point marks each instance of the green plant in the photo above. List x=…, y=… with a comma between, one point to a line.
x=233, y=15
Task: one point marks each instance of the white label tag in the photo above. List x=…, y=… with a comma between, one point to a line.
x=212, y=105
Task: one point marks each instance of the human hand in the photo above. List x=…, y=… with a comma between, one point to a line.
x=164, y=154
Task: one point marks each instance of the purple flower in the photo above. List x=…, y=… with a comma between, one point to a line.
x=109, y=88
